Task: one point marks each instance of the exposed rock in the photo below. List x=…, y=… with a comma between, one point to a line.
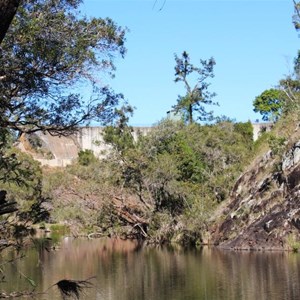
x=292, y=157
x=263, y=211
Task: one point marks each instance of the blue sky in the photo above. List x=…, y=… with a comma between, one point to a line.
x=253, y=42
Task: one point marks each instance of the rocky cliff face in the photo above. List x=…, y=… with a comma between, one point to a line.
x=264, y=209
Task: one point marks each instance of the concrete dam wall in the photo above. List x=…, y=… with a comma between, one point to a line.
x=259, y=128
x=57, y=151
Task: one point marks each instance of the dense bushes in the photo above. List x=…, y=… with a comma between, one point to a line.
x=166, y=183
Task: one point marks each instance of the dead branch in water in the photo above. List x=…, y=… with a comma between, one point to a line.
x=72, y=288
x=68, y=289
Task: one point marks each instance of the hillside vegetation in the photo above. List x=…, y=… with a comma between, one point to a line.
x=192, y=183
x=162, y=188
x=198, y=180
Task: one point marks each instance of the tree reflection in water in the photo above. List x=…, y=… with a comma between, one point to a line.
x=129, y=270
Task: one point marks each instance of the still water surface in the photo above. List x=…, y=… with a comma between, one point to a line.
x=126, y=270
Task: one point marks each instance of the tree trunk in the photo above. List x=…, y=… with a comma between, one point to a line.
x=8, y=9
x=190, y=112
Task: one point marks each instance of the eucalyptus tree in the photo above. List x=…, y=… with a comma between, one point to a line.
x=51, y=57
x=197, y=96
x=49, y=50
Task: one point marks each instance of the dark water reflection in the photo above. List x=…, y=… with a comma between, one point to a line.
x=125, y=270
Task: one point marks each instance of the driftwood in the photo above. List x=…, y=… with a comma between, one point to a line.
x=95, y=234
x=137, y=223
x=126, y=212
x=129, y=217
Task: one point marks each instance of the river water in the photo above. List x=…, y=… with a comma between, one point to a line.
x=126, y=270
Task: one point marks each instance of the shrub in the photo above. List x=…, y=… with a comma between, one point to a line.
x=86, y=157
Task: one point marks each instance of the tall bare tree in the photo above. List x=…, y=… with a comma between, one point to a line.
x=197, y=97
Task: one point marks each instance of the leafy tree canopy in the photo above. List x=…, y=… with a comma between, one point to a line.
x=47, y=53
x=120, y=135
x=283, y=100
x=197, y=96
x=269, y=104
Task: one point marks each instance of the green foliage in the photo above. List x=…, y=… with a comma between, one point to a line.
x=172, y=178
x=108, y=218
x=277, y=145
x=23, y=183
x=297, y=65
x=39, y=66
x=162, y=228
x=41, y=72
x=293, y=242
x=245, y=130
x=79, y=192
x=120, y=136
x=175, y=165
x=269, y=104
x=61, y=229
x=196, y=97
x=282, y=101
x=86, y=157
x=291, y=88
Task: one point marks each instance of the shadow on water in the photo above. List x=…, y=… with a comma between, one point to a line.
x=129, y=270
